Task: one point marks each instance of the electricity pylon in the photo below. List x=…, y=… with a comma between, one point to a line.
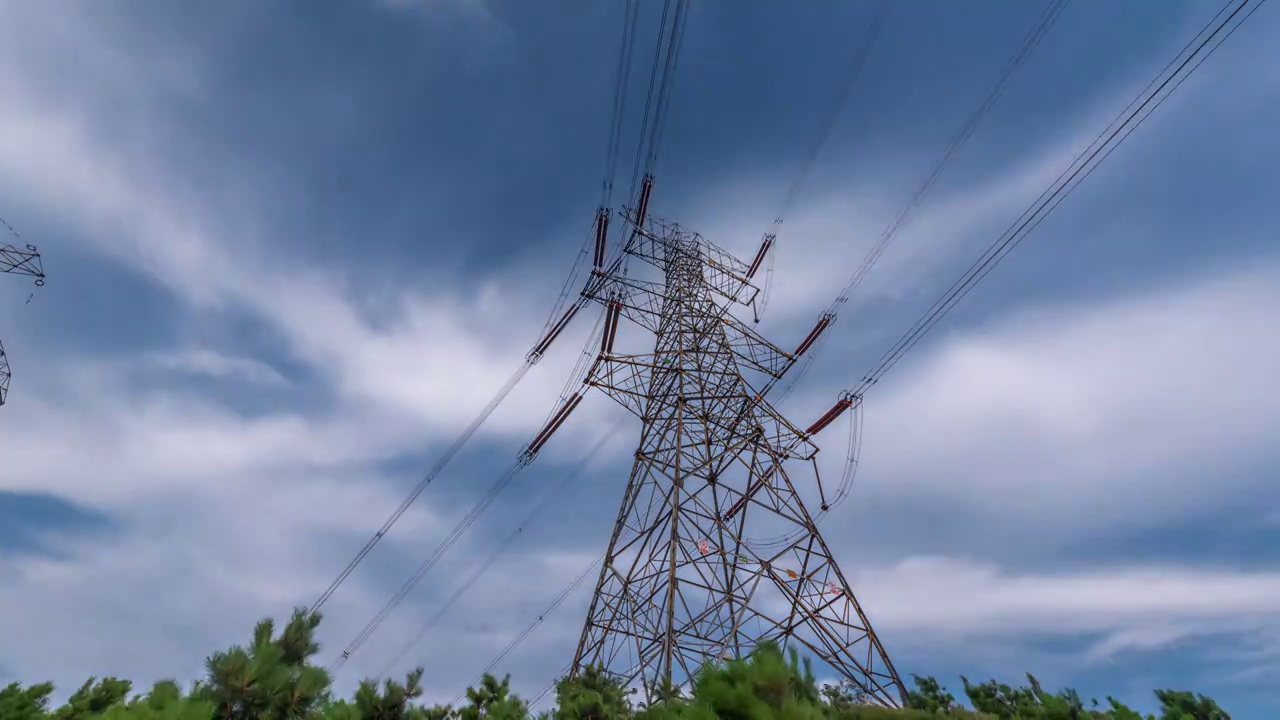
x=17, y=262
x=5, y=375
x=684, y=581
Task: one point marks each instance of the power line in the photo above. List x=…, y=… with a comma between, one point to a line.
x=554, y=494
x=555, y=325
x=621, y=79
x=819, y=335
x=825, y=127
x=567, y=403
x=620, y=83
x=660, y=84
x=503, y=481
x=431, y=475
x=1111, y=137
x=1098, y=151
x=1043, y=24
x=15, y=260
x=850, y=78
x=674, y=44
x=524, y=635
x=1115, y=134
x=655, y=116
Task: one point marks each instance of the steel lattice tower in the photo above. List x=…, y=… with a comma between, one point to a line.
x=17, y=262
x=5, y=375
x=684, y=581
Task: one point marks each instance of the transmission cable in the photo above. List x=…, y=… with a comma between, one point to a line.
x=530, y=360
x=1098, y=151
x=454, y=535
x=827, y=125
x=555, y=324
x=577, y=377
x=440, y=465
x=1032, y=40
x=1128, y=120
x=559, y=599
x=825, y=128
x=538, y=698
x=674, y=44
x=1026, y=223
x=621, y=80
x=556, y=681
x=655, y=122
x=1044, y=23
x=479, y=570
x=658, y=99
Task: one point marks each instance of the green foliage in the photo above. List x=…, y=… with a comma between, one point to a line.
x=1027, y=703
x=393, y=701
x=493, y=700
x=763, y=685
x=270, y=679
x=273, y=678
x=93, y=699
x=1120, y=711
x=931, y=697
x=165, y=702
x=1181, y=705
x=19, y=703
x=591, y=695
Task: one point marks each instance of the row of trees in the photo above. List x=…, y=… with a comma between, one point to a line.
x=273, y=678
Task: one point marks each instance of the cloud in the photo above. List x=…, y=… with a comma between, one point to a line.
x=37, y=522
x=436, y=5
x=419, y=356
x=1133, y=607
x=987, y=187
x=1063, y=420
x=1116, y=411
x=217, y=365
x=473, y=11
x=964, y=612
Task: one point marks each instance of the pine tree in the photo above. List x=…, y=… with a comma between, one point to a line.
x=19, y=703
x=271, y=678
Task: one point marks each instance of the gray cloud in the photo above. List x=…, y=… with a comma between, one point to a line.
x=1057, y=421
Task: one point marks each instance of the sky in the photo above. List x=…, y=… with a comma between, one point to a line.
x=292, y=251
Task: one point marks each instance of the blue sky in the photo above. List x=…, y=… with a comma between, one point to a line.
x=292, y=250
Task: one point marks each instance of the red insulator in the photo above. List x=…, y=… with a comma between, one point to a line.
x=836, y=411
x=602, y=233
x=556, y=421
x=741, y=502
x=735, y=507
x=604, y=337
x=642, y=208
x=555, y=331
x=812, y=337
x=764, y=249
x=612, y=315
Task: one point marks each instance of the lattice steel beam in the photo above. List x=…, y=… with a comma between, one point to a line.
x=15, y=261
x=685, y=580
x=5, y=375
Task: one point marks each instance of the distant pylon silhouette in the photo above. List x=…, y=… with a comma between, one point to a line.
x=17, y=261
x=5, y=374
x=683, y=581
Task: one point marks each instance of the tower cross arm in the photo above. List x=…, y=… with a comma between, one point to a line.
x=24, y=261
x=753, y=349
